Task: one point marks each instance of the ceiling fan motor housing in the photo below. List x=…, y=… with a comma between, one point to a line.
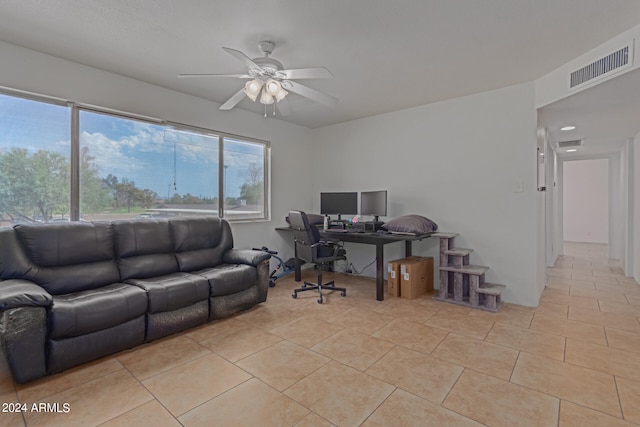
x=269, y=68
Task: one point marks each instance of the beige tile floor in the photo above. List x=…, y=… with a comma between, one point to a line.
x=572, y=361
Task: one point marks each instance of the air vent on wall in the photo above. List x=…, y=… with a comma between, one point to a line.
x=568, y=144
x=614, y=61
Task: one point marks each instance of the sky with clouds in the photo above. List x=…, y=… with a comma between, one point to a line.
x=153, y=156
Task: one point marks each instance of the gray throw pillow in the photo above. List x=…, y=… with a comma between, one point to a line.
x=414, y=224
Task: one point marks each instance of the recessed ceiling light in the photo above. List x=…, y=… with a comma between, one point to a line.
x=571, y=150
x=568, y=128
x=541, y=153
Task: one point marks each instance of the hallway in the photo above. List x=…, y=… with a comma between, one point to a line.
x=597, y=309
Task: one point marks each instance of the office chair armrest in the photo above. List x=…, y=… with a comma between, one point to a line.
x=329, y=243
x=335, y=245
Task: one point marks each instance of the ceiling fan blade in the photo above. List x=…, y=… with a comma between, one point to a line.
x=284, y=107
x=308, y=73
x=238, y=76
x=241, y=57
x=307, y=92
x=233, y=101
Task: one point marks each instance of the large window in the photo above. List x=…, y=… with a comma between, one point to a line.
x=244, y=177
x=130, y=168
x=34, y=161
x=125, y=168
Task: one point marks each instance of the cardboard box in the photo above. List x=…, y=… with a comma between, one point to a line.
x=393, y=274
x=416, y=277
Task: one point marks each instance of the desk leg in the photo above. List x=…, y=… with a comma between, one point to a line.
x=379, y=272
x=298, y=275
x=407, y=248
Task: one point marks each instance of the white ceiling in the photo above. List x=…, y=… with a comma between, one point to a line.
x=384, y=55
x=604, y=116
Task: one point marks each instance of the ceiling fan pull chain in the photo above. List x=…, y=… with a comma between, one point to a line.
x=274, y=109
x=265, y=111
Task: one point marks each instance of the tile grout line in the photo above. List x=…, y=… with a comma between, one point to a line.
x=139, y=381
x=615, y=381
x=214, y=397
x=163, y=371
x=40, y=399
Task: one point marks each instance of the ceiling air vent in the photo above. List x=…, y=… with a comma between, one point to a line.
x=602, y=66
x=569, y=144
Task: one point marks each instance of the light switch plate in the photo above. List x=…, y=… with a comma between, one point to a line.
x=518, y=186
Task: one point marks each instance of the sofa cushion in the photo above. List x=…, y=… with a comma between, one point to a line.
x=55, y=245
x=173, y=291
x=227, y=279
x=144, y=248
x=200, y=242
x=83, y=312
x=68, y=257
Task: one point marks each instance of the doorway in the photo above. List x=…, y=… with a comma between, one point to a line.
x=585, y=201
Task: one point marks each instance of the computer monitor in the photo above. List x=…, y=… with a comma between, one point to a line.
x=373, y=203
x=339, y=203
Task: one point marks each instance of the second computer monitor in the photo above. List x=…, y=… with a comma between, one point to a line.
x=339, y=203
x=373, y=203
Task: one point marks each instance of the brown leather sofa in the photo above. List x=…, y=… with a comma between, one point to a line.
x=74, y=292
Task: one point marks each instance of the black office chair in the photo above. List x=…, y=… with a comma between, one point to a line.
x=309, y=248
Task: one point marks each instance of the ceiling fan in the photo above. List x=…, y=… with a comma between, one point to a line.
x=270, y=83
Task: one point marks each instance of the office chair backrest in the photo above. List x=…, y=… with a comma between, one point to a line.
x=305, y=236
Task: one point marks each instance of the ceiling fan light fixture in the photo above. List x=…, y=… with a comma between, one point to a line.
x=266, y=98
x=252, y=89
x=281, y=94
x=272, y=87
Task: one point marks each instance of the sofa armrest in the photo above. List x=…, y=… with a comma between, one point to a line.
x=245, y=256
x=23, y=336
x=17, y=293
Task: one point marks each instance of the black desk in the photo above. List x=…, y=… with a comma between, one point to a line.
x=368, y=239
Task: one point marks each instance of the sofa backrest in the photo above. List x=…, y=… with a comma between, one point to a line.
x=64, y=257
x=144, y=248
x=200, y=242
x=14, y=263
x=76, y=256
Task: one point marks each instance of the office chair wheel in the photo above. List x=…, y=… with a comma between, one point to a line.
x=272, y=284
x=294, y=295
x=343, y=293
x=319, y=300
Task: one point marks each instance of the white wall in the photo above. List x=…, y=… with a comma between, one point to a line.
x=456, y=162
x=39, y=73
x=586, y=201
